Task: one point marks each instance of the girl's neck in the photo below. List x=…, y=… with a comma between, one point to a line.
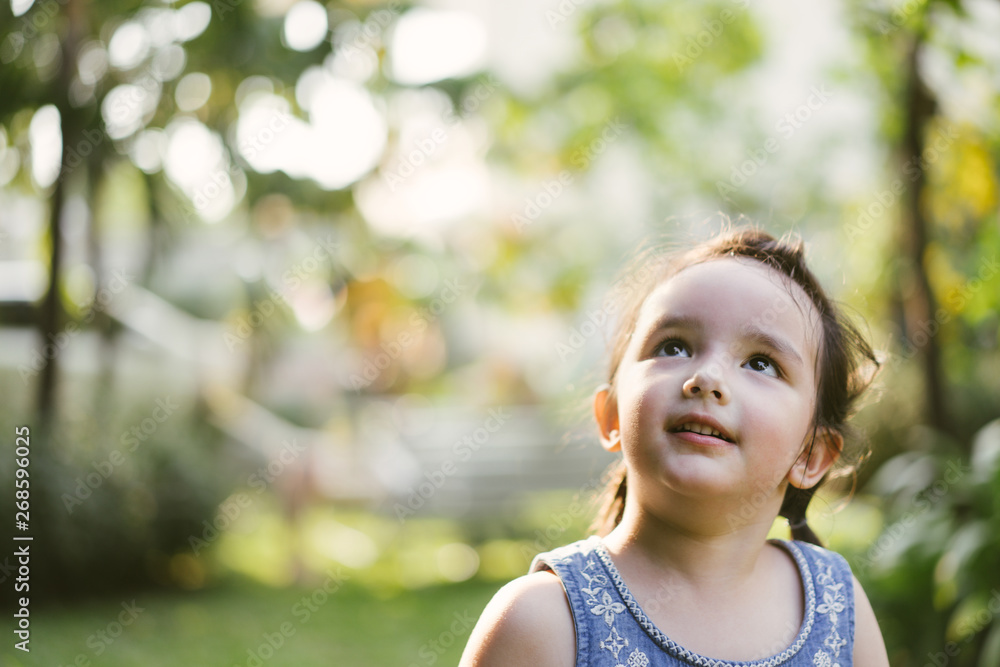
x=704, y=560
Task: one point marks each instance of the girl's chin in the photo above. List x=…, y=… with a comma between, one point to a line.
x=728, y=475
x=699, y=460
x=696, y=475
x=700, y=481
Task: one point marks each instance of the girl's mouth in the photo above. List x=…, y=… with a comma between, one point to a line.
x=701, y=429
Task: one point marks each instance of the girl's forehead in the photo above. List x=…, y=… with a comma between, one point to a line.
x=738, y=290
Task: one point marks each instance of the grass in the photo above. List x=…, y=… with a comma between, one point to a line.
x=237, y=625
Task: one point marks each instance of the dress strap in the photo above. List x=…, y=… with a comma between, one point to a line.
x=834, y=584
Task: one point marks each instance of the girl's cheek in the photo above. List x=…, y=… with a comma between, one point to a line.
x=647, y=404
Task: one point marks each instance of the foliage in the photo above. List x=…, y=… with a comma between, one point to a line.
x=459, y=269
x=933, y=571
x=113, y=509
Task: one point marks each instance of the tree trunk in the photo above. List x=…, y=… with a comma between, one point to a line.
x=51, y=315
x=919, y=305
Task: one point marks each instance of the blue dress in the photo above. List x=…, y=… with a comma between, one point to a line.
x=613, y=631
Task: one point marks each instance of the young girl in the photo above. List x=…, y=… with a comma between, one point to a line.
x=731, y=378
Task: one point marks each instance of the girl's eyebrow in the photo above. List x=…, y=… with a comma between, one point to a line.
x=669, y=321
x=778, y=344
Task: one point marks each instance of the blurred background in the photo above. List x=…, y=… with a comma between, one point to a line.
x=303, y=302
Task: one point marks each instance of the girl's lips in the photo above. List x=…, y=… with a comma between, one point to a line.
x=703, y=440
x=701, y=425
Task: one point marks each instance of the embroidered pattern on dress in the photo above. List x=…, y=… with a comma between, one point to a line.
x=615, y=642
x=834, y=602
x=602, y=604
x=603, y=594
x=608, y=607
x=637, y=659
x=676, y=650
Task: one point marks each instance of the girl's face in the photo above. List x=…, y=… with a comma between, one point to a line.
x=717, y=387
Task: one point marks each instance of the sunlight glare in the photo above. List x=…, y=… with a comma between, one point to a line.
x=343, y=141
x=357, y=64
x=45, y=136
x=148, y=149
x=305, y=25
x=159, y=25
x=18, y=7
x=349, y=132
x=125, y=106
x=267, y=131
x=168, y=62
x=193, y=91
x=427, y=204
x=129, y=46
x=191, y=20
x=309, y=83
x=428, y=45
x=198, y=163
x=92, y=63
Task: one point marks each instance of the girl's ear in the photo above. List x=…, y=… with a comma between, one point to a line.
x=810, y=467
x=606, y=415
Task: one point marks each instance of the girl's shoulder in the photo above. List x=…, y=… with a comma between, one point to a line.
x=528, y=621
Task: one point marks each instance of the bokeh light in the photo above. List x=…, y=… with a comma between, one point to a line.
x=46, y=145
x=342, y=141
x=192, y=91
x=129, y=46
x=305, y=25
x=429, y=45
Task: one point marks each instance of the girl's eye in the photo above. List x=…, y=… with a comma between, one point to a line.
x=762, y=365
x=673, y=348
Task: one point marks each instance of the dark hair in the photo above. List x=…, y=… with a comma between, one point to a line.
x=847, y=363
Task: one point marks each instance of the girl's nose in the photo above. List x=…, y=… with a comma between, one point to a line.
x=706, y=385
